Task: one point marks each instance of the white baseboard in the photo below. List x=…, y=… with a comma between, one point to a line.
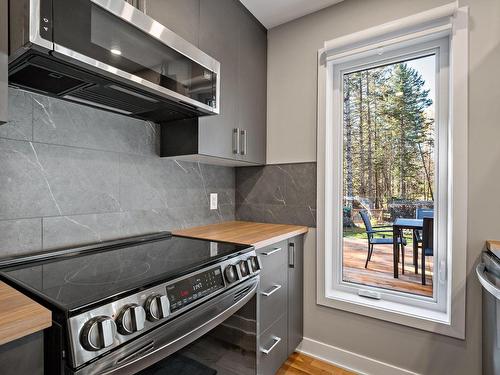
x=349, y=360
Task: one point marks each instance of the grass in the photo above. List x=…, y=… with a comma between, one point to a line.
x=360, y=234
x=355, y=232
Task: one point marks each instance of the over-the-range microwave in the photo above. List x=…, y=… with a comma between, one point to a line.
x=110, y=55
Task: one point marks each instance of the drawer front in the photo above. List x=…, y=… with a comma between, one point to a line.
x=272, y=348
x=274, y=261
x=272, y=304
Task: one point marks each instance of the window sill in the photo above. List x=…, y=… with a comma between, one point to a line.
x=416, y=317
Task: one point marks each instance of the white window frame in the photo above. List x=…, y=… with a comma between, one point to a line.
x=442, y=30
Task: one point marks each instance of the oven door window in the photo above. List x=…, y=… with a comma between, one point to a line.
x=92, y=31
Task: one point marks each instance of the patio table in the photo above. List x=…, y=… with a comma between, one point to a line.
x=397, y=230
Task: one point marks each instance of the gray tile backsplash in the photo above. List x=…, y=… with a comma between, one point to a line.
x=283, y=194
x=73, y=175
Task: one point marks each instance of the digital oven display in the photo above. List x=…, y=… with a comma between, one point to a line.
x=192, y=288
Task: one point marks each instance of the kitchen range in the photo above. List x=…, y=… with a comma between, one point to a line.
x=249, y=187
x=122, y=306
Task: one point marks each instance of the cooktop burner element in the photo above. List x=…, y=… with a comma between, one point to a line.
x=92, y=276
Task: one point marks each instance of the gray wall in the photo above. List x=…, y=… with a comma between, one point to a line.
x=72, y=174
x=291, y=137
x=280, y=194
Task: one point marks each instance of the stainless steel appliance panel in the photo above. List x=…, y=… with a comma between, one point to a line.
x=130, y=54
x=488, y=272
x=173, y=335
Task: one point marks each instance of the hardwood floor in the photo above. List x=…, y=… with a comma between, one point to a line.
x=380, y=268
x=301, y=364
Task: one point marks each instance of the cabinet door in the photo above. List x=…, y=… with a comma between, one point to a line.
x=295, y=292
x=253, y=88
x=272, y=348
x=219, y=38
x=3, y=61
x=182, y=17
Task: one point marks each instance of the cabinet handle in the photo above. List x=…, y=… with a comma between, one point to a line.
x=291, y=255
x=236, y=141
x=243, y=142
x=271, y=291
x=276, y=341
x=268, y=253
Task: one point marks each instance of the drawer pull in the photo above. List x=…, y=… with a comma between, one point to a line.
x=268, y=253
x=271, y=291
x=276, y=342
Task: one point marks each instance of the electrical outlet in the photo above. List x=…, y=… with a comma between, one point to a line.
x=213, y=201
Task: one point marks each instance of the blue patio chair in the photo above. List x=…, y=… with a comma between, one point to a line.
x=427, y=242
x=421, y=213
x=424, y=212
x=379, y=230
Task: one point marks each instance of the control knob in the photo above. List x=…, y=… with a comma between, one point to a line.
x=98, y=333
x=231, y=273
x=255, y=263
x=131, y=319
x=157, y=307
x=244, y=268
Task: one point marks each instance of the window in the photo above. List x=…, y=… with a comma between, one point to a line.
x=389, y=172
x=389, y=234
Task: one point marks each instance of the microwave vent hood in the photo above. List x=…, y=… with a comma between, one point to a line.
x=109, y=55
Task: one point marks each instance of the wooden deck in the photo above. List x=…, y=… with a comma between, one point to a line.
x=380, y=268
x=301, y=364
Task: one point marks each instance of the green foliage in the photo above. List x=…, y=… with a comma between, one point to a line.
x=388, y=135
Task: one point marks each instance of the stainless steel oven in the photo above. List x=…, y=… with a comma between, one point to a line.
x=108, y=54
x=125, y=306
x=218, y=336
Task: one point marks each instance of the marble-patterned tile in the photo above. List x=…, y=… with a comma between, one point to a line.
x=154, y=183
x=267, y=213
x=299, y=183
x=190, y=216
x=218, y=177
x=64, y=123
x=20, y=236
x=82, y=175
x=46, y=180
x=277, y=194
x=220, y=180
x=77, y=230
x=70, y=231
x=227, y=212
x=260, y=185
x=20, y=114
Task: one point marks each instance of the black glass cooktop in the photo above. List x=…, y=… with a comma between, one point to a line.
x=89, y=275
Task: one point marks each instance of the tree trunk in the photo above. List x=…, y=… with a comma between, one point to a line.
x=402, y=188
x=369, y=131
x=348, y=143
x=362, y=183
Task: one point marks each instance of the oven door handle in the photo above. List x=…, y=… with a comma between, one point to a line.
x=127, y=362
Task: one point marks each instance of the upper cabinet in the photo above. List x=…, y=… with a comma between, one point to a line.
x=219, y=37
x=3, y=61
x=225, y=30
x=252, y=89
x=180, y=16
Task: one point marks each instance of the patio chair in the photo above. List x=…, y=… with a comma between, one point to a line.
x=427, y=242
x=379, y=230
x=420, y=213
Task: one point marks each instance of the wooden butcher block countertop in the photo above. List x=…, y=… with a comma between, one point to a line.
x=244, y=232
x=493, y=245
x=19, y=315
